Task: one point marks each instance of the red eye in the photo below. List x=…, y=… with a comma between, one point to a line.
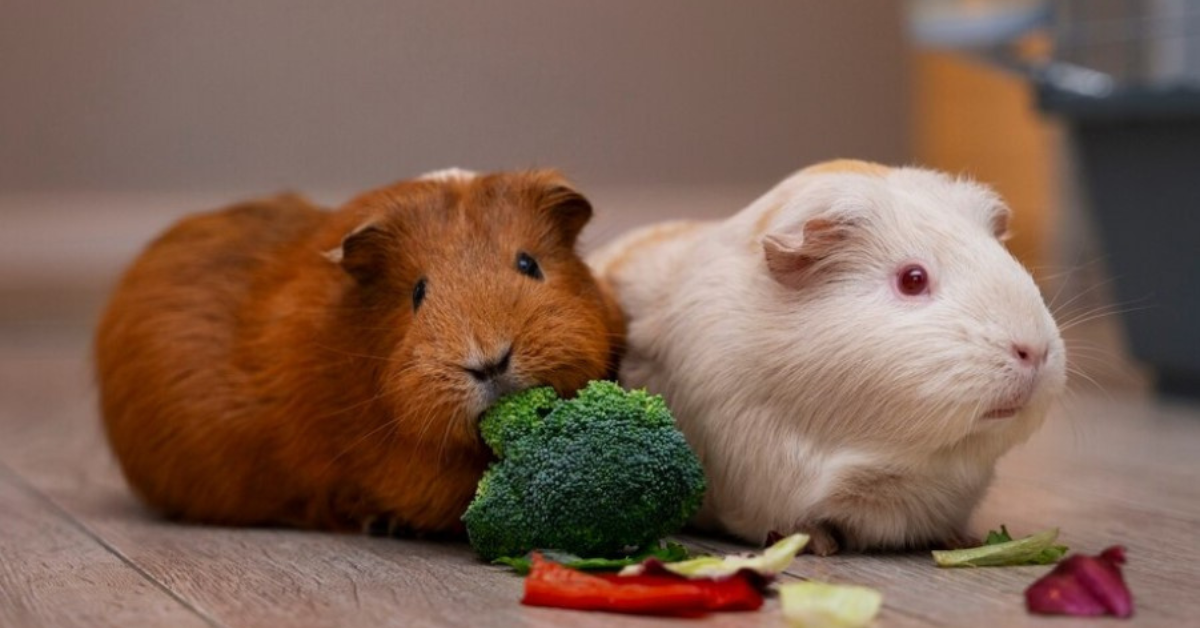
x=913, y=280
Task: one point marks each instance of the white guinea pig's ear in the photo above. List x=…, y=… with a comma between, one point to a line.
x=999, y=218
x=361, y=253
x=794, y=252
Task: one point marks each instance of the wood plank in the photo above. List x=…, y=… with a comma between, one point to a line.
x=1127, y=450
x=261, y=577
x=1163, y=569
x=1069, y=476
x=239, y=576
x=1164, y=558
x=1116, y=472
x=280, y=577
x=53, y=573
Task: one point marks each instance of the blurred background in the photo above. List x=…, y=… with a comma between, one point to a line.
x=118, y=117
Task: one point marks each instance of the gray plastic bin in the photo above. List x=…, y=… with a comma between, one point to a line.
x=1138, y=154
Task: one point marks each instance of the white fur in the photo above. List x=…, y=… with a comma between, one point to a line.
x=839, y=404
x=447, y=174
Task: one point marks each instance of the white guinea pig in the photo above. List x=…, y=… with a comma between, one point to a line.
x=849, y=355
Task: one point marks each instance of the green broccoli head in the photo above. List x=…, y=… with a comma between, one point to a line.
x=593, y=476
x=516, y=416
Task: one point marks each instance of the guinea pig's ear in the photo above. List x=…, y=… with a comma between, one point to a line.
x=567, y=210
x=1000, y=216
x=361, y=253
x=794, y=252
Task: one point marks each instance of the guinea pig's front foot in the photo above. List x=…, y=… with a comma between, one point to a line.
x=394, y=527
x=822, y=538
x=386, y=525
x=958, y=540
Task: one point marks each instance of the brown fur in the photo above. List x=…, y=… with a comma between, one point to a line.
x=253, y=369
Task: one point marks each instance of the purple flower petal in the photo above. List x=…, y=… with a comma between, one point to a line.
x=1083, y=586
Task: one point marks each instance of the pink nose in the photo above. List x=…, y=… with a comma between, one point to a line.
x=1029, y=355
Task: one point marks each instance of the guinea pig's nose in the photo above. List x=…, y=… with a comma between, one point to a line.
x=493, y=369
x=1029, y=355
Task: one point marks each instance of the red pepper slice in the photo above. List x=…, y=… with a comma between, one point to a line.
x=551, y=584
x=735, y=593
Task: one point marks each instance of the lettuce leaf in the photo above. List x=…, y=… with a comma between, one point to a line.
x=812, y=604
x=1049, y=556
x=996, y=538
x=1001, y=550
x=772, y=561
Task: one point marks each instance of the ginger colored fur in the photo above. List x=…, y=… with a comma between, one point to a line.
x=265, y=364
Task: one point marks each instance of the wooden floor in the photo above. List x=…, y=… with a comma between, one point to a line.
x=77, y=550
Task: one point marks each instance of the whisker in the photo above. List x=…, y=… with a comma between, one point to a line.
x=1070, y=406
x=1057, y=309
x=366, y=356
x=1070, y=272
x=1099, y=313
x=362, y=438
x=1039, y=273
x=426, y=422
x=353, y=406
x=1090, y=380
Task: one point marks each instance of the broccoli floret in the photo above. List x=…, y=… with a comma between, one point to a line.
x=597, y=475
x=516, y=416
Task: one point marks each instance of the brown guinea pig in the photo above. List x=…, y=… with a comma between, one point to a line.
x=274, y=363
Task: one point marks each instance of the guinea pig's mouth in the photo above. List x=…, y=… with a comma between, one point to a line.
x=1013, y=402
x=488, y=393
x=1009, y=408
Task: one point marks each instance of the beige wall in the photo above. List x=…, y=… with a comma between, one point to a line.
x=230, y=95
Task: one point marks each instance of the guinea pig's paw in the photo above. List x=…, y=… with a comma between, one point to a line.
x=387, y=525
x=375, y=525
x=822, y=538
x=958, y=540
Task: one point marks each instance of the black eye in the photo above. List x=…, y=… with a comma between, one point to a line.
x=528, y=266
x=418, y=293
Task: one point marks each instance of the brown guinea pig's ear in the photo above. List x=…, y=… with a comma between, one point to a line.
x=794, y=252
x=566, y=208
x=361, y=253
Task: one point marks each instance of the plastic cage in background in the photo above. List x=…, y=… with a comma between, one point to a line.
x=1124, y=77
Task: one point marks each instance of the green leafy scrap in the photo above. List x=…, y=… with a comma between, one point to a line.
x=1049, y=556
x=812, y=603
x=772, y=561
x=996, y=538
x=999, y=549
x=668, y=553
